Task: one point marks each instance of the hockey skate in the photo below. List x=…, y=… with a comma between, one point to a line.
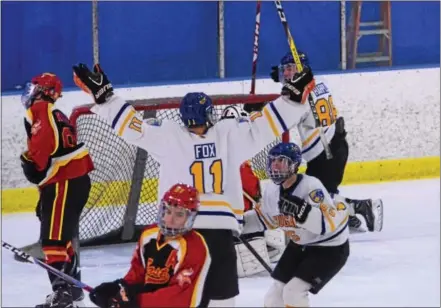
x=60, y=298
x=372, y=213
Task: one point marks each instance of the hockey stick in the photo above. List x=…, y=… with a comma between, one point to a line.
x=299, y=67
x=31, y=259
x=255, y=254
x=255, y=48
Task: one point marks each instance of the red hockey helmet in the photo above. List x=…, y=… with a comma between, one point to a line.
x=178, y=209
x=46, y=85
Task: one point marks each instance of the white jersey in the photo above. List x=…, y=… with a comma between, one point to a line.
x=325, y=225
x=312, y=136
x=210, y=162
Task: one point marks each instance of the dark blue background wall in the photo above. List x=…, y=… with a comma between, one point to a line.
x=142, y=42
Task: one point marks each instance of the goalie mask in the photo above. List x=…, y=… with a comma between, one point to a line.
x=283, y=161
x=178, y=210
x=233, y=112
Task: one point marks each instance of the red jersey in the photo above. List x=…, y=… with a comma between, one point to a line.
x=52, y=144
x=172, y=273
x=250, y=184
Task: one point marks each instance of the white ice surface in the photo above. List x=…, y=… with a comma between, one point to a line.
x=398, y=267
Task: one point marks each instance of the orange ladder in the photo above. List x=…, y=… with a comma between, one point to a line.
x=357, y=29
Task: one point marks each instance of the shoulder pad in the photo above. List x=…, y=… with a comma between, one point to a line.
x=154, y=122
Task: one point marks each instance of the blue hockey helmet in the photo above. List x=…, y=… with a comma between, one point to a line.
x=287, y=67
x=289, y=59
x=196, y=109
x=283, y=161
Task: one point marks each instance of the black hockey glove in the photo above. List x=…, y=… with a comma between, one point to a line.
x=114, y=294
x=30, y=169
x=95, y=83
x=295, y=206
x=275, y=73
x=252, y=107
x=298, y=88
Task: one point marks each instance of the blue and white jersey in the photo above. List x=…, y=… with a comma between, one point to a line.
x=210, y=162
x=325, y=225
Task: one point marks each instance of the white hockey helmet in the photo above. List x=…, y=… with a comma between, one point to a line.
x=233, y=112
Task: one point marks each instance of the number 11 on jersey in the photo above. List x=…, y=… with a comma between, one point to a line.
x=199, y=180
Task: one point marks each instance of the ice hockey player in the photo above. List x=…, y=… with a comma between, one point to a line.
x=324, y=145
x=170, y=262
x=203, y=154
x=59, y=166
x=317, y=226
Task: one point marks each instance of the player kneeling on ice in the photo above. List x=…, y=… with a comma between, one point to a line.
x=301, y=206
x=170, y=262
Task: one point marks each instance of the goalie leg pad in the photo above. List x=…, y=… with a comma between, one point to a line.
x=274, y=295
x=247, y=264
x=276, y=242
x=295, y=293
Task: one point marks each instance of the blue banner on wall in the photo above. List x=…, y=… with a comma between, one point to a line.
x=145, y=42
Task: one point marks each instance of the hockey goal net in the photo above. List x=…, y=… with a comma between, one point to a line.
x=123, y=197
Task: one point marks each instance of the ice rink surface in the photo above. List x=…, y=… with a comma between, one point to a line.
x=398, y=267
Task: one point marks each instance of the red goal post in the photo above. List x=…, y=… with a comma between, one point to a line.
x=123, y=196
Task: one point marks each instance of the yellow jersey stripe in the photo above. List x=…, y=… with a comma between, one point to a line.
x=124, y=123
x=221, y=203
x=271, y=122
x=311, y=137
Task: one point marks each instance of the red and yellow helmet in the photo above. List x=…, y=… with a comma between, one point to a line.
x=181, y=197
x=46, y=86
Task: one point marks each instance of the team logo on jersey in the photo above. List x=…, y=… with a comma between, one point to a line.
x=341, y=206
x=284, y=221
x=36, y=127
x=154, y=122
x=183, y=277
x=317, y=195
